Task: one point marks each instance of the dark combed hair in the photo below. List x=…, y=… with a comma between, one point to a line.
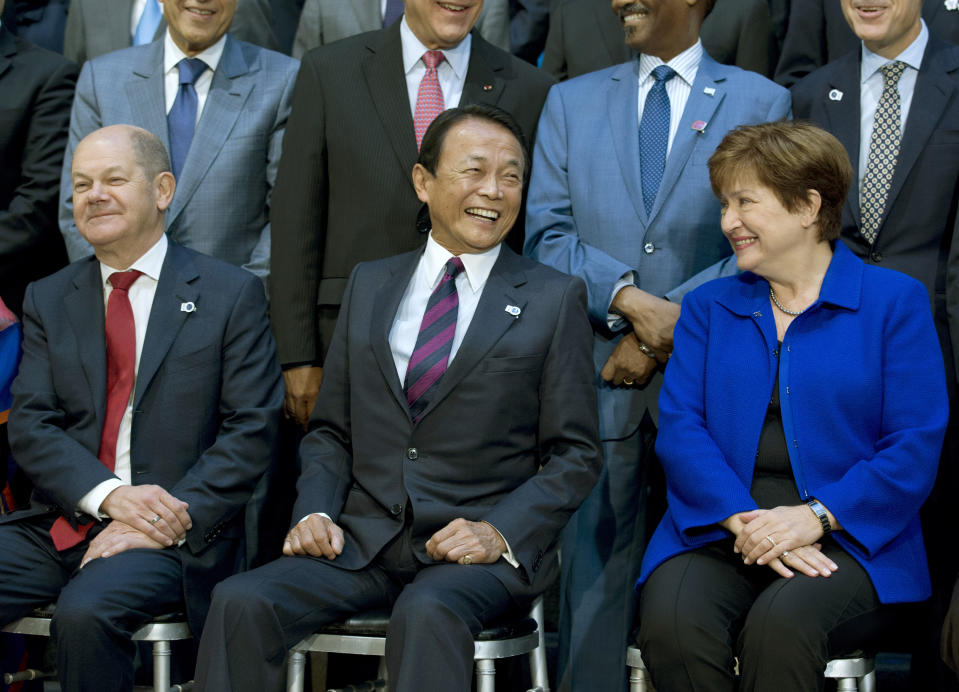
x=432, y=145
x=790, y=158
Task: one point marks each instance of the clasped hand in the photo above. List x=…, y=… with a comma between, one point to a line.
x=151, y=510
x=781, y=537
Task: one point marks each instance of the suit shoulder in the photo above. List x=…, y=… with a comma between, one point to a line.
x=751, y=83
x=42, y=62
x=269, y=59
x=879, y=281
x=215, y=269
x=55, y=286
x=346, y=50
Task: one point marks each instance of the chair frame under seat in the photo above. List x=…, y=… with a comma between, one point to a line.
x=485, y=654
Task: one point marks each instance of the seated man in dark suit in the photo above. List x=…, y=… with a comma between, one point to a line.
x=144, y=412
x=442, y=497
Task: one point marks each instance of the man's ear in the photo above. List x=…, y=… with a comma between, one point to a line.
x=421, y=180
x=164, y=186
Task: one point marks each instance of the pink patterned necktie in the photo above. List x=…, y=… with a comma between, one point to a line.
x=434, y=342
x=429, y=98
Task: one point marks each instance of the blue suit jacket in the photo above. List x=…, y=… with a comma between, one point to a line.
x=206, y=404
x=585, y=214
x=865, y=424
x=222, y=201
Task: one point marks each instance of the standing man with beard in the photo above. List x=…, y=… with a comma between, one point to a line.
x=620, y=196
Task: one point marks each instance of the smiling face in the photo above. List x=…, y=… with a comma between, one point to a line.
x=887, y=27
x=440, y=25
x=195, y=25
x=662, y=28
x=475, y=196
x=765, y=236
x=117, y=209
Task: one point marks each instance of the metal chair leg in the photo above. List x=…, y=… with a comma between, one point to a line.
x=485, y=676
x=537, y=657
x=296, y=671
x=869, y=682
x=161, y=666
x=847, y=685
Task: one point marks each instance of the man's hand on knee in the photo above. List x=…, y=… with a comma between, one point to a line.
x=116, y=538
x=477, y=539
x=151, y=510
x=317, y=535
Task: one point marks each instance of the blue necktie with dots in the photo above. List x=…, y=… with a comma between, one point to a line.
x=654, y=135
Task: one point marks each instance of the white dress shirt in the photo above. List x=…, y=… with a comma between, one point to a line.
x=141, y=301
x=171, y=73
x=686, y=65
x=451, y=73
x=871, y=85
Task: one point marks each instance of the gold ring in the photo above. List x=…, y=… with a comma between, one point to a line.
x=467, y=560
x=628, y=382
x=155, y=519
x=770, y=539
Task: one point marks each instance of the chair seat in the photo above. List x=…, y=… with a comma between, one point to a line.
x=167, y=627
x=374, y=623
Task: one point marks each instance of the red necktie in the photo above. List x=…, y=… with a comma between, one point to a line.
x=121, y=340
x=429, y=98
x=434, y=342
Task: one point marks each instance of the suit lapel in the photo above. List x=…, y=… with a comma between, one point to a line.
x=841, y=106
x=386, y=82
x=482, y=84
x=84, y=308
x=232, y=83
x=700, y=106
x=145, y=92
x=489, y=323
x=622, y=105
x=8, y=49
x=387, y=302
x=933, y=92
x=166, y=317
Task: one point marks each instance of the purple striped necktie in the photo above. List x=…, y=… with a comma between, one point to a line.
x=434, y=341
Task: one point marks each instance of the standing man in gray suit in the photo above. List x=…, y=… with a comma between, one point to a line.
x=95, y=27
x=238, y=99
x=325, y=21
x=360, y=108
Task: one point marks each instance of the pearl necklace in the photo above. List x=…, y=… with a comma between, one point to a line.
x=793, y=313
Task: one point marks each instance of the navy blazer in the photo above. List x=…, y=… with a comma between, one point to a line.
x=865, y=424
x=206, y=404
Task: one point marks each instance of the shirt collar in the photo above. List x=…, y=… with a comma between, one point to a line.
x=149, y=263
x=912, y=55
x=172, y=53
x=458, y=57
x=685, y=64
x=477, y=266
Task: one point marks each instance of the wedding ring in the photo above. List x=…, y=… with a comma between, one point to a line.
x=467, y=560
x=628, y=382
x=155, y=519
x=770, y=539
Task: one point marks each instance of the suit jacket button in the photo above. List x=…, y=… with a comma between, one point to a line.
x=412, y=454
x=396, y=510
x=649, y=248
x=875, y=256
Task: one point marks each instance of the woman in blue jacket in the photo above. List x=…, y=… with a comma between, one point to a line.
x=801, y=422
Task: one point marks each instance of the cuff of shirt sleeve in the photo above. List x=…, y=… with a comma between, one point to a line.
x=614, y=321
x=322, y=514
x=508, y=555
x=90, y=503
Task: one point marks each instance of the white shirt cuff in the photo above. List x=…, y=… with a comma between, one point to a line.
x=322, y=514
x=508, y=555
x=90, y=503
x=614, y=321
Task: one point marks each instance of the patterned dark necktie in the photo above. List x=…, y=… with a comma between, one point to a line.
x=434, y=341
x=654, y=135
x=883, y=152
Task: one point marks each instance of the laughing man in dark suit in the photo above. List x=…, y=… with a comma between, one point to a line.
x=437, y=491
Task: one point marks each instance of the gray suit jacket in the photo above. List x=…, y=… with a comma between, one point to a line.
x=222, y=201
x=95, y=27
x=325, y=21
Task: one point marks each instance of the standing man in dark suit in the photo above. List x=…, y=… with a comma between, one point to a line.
x=144, y=412
x=343, y=192
x=95, y=27
x=894, y=104
x=439, y=491
x=37, y=88
x=585, y=36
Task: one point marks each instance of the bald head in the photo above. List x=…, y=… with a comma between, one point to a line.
x=122, y=186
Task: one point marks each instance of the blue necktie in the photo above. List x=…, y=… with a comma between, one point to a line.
x=182, y=118
x=394, y=10
x=149, y=21
x=654, y=135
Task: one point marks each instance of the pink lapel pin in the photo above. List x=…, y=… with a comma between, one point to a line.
x=699, y=126
x=487, y=87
